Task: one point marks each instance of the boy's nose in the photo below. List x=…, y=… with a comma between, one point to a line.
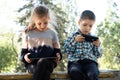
x=86, y=28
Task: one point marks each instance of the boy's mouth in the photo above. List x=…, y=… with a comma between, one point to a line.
x=85, y=32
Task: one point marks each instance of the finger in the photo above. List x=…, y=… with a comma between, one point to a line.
x=81, y=36
x=28, y=53
x=94, y=42
x=58, y=56
x=82, y=39
x=29, y=61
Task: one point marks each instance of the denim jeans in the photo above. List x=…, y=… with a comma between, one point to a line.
x=83, y=70
x=42, y=69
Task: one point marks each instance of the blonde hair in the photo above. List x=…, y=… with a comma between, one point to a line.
x=40, y=11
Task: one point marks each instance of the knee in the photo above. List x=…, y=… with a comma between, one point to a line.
x=93, y=75
x=75, y=72
x=41, y=61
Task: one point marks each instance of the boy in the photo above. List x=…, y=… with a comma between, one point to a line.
x=82, y=54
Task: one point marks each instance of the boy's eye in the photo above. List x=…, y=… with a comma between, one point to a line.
x=45, y=22
x=87, y=25
x=90, y=25
x=84, y=24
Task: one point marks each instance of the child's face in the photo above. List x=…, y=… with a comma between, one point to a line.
x=41, y=23
x=86, y=25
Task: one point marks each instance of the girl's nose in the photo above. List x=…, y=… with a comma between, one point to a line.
x=42, y=25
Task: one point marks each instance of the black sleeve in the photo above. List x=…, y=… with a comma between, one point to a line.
x=57, y=50
x=23, y=52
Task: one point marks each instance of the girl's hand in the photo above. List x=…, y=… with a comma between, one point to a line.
x=79, y=38
x=96, y=43
x=26, y=58
x=58, y=56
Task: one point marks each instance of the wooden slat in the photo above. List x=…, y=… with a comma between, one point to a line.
x=107, y=75
x=55, y=75
x=15, y=76
x=66, y=76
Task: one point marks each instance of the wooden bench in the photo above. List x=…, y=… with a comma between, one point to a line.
x=54, y=75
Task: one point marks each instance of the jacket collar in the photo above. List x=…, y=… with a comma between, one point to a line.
x=79, y=32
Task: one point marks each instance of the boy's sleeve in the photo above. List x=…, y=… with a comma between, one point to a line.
x=98, y=51
x=69, y=46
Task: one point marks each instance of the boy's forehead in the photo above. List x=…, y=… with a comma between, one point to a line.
x=87, y=21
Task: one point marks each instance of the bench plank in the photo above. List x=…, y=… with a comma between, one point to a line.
x=66, y=76
x=11, y=76
x=55, y=75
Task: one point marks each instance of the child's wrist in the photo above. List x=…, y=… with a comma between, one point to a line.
x=57, y=50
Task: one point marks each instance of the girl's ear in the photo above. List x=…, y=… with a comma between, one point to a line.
x=79, y=21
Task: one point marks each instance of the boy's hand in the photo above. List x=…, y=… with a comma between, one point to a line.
x=26, y=58
x=96, y=43
x=79, y=38
x=58, y=56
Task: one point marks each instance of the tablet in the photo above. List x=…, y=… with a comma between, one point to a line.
x=53, y=58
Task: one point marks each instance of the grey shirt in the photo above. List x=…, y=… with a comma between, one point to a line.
x=37, y=38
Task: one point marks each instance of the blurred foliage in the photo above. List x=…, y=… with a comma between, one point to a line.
x=109, y=31
x=65, y=12
x=8, y=52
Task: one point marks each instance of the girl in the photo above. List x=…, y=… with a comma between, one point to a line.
x=40, y=45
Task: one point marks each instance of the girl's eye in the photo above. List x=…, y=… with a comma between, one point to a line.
x=39, y=23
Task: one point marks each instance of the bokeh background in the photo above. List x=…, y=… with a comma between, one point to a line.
x=14, y=18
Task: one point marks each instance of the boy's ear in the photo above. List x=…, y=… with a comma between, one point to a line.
x=48, y=17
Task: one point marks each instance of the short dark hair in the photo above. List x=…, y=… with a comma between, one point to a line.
x=87, y=14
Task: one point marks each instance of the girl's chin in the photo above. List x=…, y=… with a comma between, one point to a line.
x=42, y=29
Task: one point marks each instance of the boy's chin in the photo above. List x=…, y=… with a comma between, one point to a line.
x=85, y=33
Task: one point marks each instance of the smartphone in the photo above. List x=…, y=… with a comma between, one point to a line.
x=89, y=38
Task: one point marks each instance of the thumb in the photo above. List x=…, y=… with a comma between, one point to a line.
x=58, y=56
x=28, y=53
